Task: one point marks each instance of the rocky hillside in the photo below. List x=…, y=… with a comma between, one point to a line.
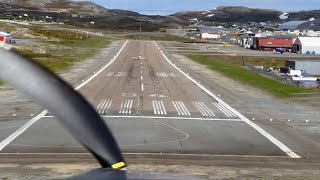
x=65, y=6
x=244, y=14
x=80, y=14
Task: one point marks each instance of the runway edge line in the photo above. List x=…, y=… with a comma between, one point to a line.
x=275, y=141
x=24, y=127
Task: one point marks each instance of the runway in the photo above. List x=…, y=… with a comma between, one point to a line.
x=151, y=106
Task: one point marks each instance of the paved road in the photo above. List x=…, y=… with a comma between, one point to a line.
x=152, y=107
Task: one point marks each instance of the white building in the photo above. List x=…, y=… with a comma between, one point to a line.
x=306, y=45
x=210, y=36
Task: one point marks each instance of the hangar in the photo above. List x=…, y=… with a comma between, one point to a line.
x=306, y=45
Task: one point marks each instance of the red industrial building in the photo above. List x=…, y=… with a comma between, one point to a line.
x=271, y=43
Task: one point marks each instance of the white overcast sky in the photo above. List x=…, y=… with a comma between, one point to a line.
x=165, y=7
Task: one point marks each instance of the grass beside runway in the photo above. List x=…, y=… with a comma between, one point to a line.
x=251, y=78
x=62, y=48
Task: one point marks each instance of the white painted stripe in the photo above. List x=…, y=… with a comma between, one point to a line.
x=130, y=106
x=23, y=128
x=275, y=141
x=98, y=107
x=163, y=108
x=182, y=108
x=185, y=108
x=207, y=109
x=157, y=108
x=126, y=111
x=222, y=110
x=196, y=104
x=160, y=108
x=154, y=108
x=141, y=78
x=142, y=87
x=19, y=131
x=121, y=107
x=106, y=107
x=175, y=106
x=141, y=71
x=227, y=110
x=109, y=104
x=203, y=109
x=101, y=70
x=175, y=118
x=102, y=105
x=201, y=104
x=164, y=117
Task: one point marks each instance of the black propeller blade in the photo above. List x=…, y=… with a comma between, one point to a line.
x=72, y=110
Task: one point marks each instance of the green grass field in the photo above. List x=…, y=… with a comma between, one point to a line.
x=77, y=49
x=251, y=78
x=266, y=62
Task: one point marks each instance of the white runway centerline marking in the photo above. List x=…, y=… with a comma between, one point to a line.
x=225, y=110
x=23, y=128
x=204, y=110
x=158, y=108
x=141, y=78
x=275, y=141
x=126, y=107
x=181, y=108
x=142, y=87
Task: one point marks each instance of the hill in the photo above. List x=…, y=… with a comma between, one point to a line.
x=244, y=14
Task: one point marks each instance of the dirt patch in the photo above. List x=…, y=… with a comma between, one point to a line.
x=50, y=171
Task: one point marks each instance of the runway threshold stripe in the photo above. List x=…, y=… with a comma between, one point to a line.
x=177, y=108
x=158, y=108
x=226, y=110
x=199, y=108
x=106, y=107
x=181, y=108
x=102, y=105
x=187, y=112
x=275, y=141
x=23, y=128
x=207, y=109
x=222, y=110
x=163, y=108
x=154, y=108
x=162, y=117
x=98, y=107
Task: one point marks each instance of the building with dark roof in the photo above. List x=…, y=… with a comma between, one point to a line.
x=291, y=25
x=301, y=27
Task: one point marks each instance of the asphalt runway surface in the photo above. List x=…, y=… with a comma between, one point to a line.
x=151, y=106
